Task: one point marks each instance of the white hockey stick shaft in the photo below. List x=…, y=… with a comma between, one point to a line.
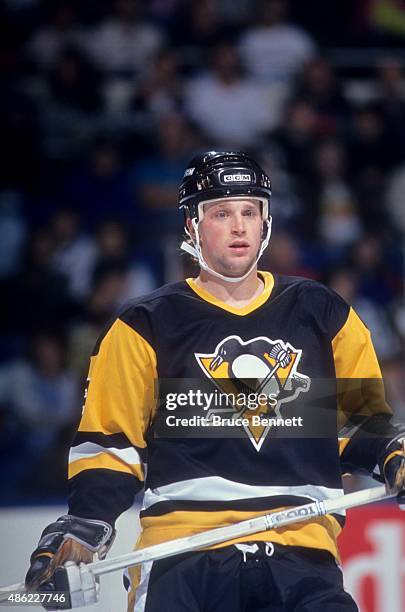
x=222, y=534
x=250, y=526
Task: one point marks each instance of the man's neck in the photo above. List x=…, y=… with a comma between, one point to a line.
x=234, y=294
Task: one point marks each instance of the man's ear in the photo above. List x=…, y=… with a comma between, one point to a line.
x=190, y=227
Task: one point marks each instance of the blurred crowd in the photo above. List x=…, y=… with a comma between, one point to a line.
x=102, y=105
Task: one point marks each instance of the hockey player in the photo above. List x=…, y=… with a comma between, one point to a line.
x=228, y=327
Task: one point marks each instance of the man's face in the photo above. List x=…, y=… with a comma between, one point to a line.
x=230, y=235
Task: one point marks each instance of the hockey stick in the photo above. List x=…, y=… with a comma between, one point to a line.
x=221, y=534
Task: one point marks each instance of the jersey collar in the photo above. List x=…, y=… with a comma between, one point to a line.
x=268, y=280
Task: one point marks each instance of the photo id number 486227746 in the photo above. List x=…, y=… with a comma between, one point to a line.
x=35, y=599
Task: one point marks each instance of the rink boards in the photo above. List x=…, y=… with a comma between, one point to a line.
x=372, y=549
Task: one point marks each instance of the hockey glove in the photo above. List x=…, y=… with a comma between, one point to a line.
x=393, y=468
x=70, y=538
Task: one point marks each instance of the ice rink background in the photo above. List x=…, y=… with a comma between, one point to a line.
x=372, y=548
x=20, y=529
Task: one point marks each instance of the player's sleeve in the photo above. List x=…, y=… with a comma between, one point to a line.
x=107, y=460
x=363, y=413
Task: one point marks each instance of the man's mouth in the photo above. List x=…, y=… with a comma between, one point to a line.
x=239, y=244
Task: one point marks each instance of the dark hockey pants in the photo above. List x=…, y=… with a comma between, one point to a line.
x=260, y=578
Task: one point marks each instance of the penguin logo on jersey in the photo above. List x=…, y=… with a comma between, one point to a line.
x=259, y=366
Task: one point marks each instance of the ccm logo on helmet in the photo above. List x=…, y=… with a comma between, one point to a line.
x=237, y=178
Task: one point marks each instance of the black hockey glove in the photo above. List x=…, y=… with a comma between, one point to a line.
x=393, y=469
x=70, y=538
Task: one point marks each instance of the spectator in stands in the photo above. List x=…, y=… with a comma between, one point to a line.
x=236, y=13
x=339, y=224
x=40, y=398
x=106, y=295
x=74, y=82
x=164, y=11
x=369, y=146
x=125, y=43
x=38, y=296
x=79, y=257
x=379, y=280
x=74, y=251
x=318, y=86
x=274, y=49
x=391, y=87
x=70, y=106
x=286, y=257
x=297, y=137
x=13, y=229
x=391, y=102
x=394, y=198
x=156, y=177
x=39, y=390
x=160, y=89
x=99, y=184
x=386, y=20
x=372, y=152
x=285, y=203
x=117, y=277
x=198, y=27
x=113, y=243
x=330, y=202
x=232, y=110
x=346, y=282
x=117, y=248
x=60, y=30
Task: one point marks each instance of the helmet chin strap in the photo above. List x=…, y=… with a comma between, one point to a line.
x=195, y=250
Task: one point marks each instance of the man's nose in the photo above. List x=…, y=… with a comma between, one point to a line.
x=238, y=225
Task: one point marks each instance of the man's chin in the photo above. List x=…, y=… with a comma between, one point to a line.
x=236, y=271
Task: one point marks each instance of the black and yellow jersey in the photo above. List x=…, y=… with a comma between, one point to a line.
x=297, y=332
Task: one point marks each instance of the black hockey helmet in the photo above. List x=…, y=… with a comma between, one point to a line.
x=221, y=174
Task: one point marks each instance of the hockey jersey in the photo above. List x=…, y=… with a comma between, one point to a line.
x=308, y=351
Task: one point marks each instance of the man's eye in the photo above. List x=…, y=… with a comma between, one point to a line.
x=221, y=214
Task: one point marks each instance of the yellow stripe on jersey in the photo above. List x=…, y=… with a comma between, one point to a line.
x=134, y=575
x=353, y=350
x=359, y=381
x=268, y=279
x=321, y=533
x=121, y=394
x=106, y=462
x=343, y=442
x=397, y=453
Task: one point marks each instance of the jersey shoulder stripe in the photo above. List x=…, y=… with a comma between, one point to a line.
x=137, y=312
